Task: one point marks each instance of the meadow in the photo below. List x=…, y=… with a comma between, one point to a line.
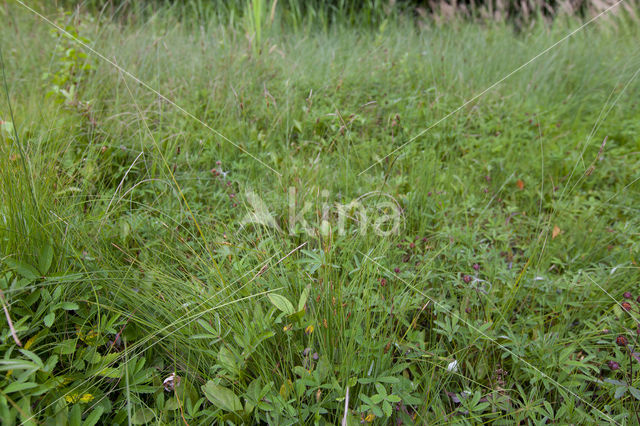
x=265, y=215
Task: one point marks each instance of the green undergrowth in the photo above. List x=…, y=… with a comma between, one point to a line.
x=450, y=234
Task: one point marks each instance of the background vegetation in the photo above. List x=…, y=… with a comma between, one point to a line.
x=132, y=133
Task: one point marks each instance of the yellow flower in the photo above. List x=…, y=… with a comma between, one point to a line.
x=87, y=397
x=369, y=418
x=72, y=398
x=75, y=397
x=287, y=328
x=309, y=329
x=89, y=337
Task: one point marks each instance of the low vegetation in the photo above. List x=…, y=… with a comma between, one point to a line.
x=256, y=219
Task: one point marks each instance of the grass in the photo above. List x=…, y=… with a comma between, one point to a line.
x=140, y=294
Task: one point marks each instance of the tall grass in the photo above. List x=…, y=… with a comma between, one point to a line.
x=148, y=240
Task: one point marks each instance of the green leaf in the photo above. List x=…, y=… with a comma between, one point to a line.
x=381, y=390
x=388, y=379
x=93, y=418
x=621, y=390
x=227, y=359
x=49, y=318
x=66, y=347
x=110, y=372
x=393, y=398
x=143, y=416
x=303, y=298
x=69, y=306
x=18, y=386
x=282, y=303
x=635, y=392
x=75, y=416
x=25, y=270
x=376, y=411
x=171, y=404
x=17, y=364
x=33, y=357
x=221, y=397
x=386, y=407
x=44, y=258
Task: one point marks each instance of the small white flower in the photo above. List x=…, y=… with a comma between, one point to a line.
x=453, y=366
x=171, y=382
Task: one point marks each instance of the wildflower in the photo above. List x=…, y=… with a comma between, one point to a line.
x=309, y=329
x=453, y=366
x=286, y=328
x=467, y=310
x=613, y=365
x=626, y=306
x=383, y=282
x=396, y=270
x=412, y=245
x=621, y=341
x=370, y=417
x=627, y=295
x=89, y=337
x=476, y=266
x=466, y=279
x=171, y=382
x=76, y=397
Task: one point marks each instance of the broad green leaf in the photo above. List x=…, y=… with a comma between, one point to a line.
x=33, y=357
x=17, y=364
x=93, y=417
x=282, y=303
x=49, y=318
x=75, y=416
x=25, y=270
x=376, y=411
x=386, y=407
x=227, y=359
x=17, y=386
x=393, y=398
x=66, y=347
x=44, y=258
x=222, y=397
x=143, y=416
x=69, y=306
x=381, y=390
x=171, y=404
x=301, y=371
x=635, y=392
x=303, y=298
x=621, y=390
